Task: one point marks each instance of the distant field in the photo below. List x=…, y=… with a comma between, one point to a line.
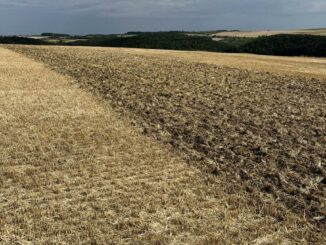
x=321, y=32
x=312, y=67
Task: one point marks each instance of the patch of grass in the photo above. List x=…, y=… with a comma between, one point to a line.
x=236, y=42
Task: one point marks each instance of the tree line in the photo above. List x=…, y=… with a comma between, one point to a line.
x=282, y=44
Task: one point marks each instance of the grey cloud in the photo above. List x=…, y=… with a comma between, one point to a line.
x=79, y=16
x=136, y=7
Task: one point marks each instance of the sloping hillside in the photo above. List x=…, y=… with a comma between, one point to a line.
x=263, y=132
x=73, y=172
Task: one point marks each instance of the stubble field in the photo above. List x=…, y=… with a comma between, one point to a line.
x=256, y=136
x=320, y=32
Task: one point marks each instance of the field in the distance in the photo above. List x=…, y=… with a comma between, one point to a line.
x=256, y=131
x=312, y=67
x=321, y=32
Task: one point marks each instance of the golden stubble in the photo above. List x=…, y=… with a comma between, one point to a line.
x=319, y=32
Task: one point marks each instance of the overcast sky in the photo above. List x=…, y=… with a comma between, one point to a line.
x=119, y=16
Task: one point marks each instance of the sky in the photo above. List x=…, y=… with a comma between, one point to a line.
x=120, y=16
